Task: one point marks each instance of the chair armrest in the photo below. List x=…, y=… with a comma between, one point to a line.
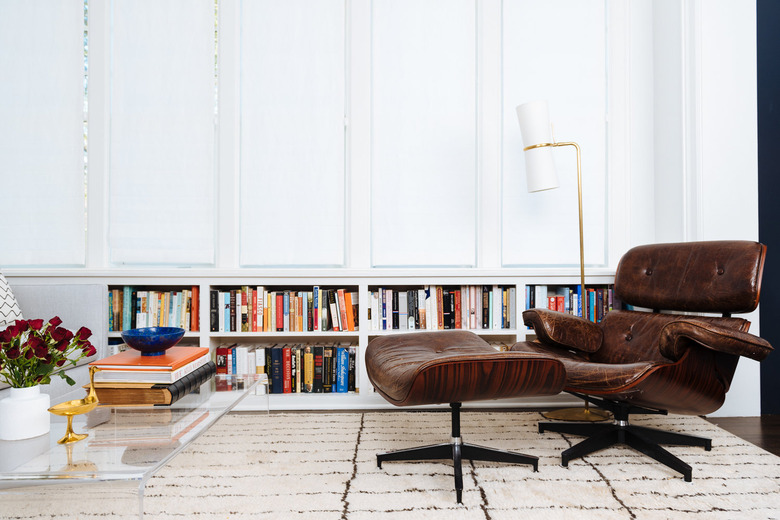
x=564, y=330
x=713, y=337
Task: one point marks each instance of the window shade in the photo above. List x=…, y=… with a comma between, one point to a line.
x=423, y=131
x=162, y=151
x=292, y=187
x=42, y=215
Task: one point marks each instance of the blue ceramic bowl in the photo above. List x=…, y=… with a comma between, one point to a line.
x=152, y=341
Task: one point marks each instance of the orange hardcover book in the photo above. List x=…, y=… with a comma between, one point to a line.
x=342, y=305
x=174, y=358
x=349, y=311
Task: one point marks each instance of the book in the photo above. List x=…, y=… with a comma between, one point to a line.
x=308, y=369
x=174, y=358
x=157, y=394
x=318, y=371
x=131, y=373
x=277, y=370
x=342, y=369
x=327, y=369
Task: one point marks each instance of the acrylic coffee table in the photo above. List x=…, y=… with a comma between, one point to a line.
x=106, y=473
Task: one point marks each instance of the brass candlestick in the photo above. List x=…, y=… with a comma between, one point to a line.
x=77, y=407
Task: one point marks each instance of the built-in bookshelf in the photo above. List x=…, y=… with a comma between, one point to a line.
x=470, y=293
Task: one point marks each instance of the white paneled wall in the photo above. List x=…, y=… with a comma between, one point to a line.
x=556, y=51
x=42, y=214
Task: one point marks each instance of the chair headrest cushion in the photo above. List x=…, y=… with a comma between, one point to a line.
x=717, y=276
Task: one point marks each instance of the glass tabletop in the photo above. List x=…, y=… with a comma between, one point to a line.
x=124, y=442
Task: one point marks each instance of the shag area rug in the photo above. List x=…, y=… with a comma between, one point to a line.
x=323, y=466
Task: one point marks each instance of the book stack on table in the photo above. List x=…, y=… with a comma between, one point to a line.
x=128, y=378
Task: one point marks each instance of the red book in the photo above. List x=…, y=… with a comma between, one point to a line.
x=458, y=310
x=287, y=370
x=222, y=357
x=279, y=311
x=195, y=309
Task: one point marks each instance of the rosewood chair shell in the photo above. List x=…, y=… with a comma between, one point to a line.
x=454, y=367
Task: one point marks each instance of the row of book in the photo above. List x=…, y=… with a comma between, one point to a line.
x=600, y=300
x=435, y=307
x=295, y=368
x=257, y=309
x=131, y=308
x=128, y=378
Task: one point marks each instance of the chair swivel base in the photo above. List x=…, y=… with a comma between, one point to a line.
x=456, y=450
x=645, y=440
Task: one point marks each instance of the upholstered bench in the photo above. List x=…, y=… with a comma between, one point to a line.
x=454, y=367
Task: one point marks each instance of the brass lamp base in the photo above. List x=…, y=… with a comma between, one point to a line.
x=585, y=414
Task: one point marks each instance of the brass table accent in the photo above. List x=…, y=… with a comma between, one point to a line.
x=77, y=407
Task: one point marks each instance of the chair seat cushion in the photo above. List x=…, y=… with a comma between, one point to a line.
x=456, y=366
x=582, y=375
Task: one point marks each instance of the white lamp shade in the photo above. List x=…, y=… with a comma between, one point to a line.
x=540, y=171
x=535, y=127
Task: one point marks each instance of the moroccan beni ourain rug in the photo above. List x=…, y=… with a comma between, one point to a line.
x=323, y=466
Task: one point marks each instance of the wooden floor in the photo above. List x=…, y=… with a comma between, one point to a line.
x=762, y=431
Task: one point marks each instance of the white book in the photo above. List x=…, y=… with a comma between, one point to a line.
x=242, y=360
x=541, y=297
x=403, y=311
x=512, y=315
x=260, y=306
x=498, y=307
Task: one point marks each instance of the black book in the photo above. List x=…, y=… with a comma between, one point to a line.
x=445, y=309
x=485, y=306
x=213, y=310
x=352, y=366
x=414, y=307
x=190, y=382
x=327, y=369
x=277, y=370
x=233, y=311
x=395, y=309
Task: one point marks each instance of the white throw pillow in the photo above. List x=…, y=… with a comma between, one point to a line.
x=9, y=309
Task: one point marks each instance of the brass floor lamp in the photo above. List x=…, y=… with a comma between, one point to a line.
x=535, y=128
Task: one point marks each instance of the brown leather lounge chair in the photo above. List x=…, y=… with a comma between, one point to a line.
x=648, y=362
x=454, y=367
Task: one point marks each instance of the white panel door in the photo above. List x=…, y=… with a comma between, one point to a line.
x=292, y=187
x=556, y=51
x=42, y=136
x=423, y=133
x=162, y=124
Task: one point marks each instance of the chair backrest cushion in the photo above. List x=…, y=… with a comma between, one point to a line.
x=717, y=277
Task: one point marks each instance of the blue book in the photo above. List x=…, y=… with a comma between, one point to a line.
x=316, y=307
x=579, y=300
x=342, y=369
x=277, y=381
x=127, y=308
x=286, y=310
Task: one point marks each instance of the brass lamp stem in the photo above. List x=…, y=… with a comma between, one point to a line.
x=584, y=295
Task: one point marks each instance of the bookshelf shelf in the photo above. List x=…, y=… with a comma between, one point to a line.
x=360, y=282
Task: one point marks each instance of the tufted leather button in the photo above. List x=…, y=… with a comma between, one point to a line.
x=649, y=271
x=720, y=270
x=629, y=336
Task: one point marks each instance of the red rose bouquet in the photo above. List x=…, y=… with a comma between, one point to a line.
x=31, y=352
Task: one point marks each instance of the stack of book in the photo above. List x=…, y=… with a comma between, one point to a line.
x=128, y=378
